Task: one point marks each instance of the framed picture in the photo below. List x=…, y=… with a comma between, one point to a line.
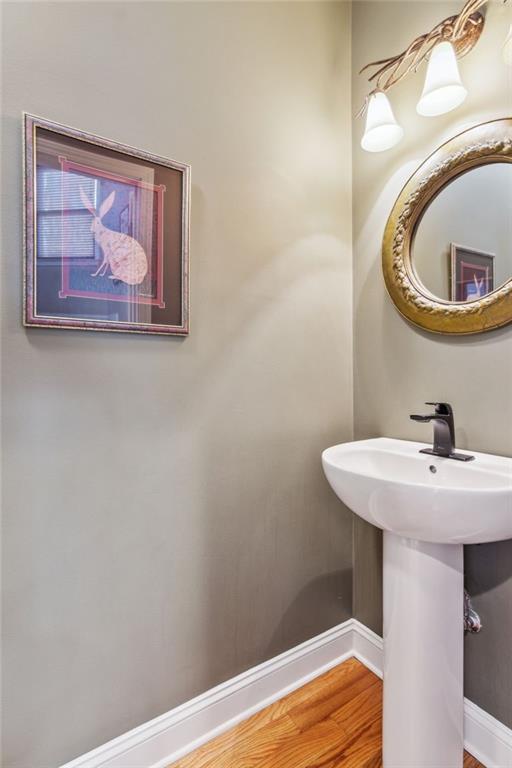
x=106, y=234
x=472, y=273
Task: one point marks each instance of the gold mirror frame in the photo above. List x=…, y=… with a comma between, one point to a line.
x=484, y=144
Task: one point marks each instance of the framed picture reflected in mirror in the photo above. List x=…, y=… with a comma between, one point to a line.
x=472, y=273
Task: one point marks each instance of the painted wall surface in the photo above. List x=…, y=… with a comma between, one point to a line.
x=396, y=366
x=166, y=520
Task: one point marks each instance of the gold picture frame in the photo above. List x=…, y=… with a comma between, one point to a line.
x=483, y=144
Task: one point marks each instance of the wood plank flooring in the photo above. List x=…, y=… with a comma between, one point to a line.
x=333, y=722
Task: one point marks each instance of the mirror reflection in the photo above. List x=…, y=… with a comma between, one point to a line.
x=462, y=247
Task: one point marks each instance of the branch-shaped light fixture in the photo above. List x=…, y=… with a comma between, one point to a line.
x=452, y=38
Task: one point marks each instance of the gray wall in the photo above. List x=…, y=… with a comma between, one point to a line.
x=398, y=367
x=166, y=521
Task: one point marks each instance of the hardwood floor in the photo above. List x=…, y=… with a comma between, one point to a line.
x=333, y=722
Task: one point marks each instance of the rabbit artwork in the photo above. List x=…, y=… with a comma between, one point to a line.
x=475, y=290
x=122, y=253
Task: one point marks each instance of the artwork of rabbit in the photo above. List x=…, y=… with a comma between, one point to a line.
x=122, y=253
x=479, y=287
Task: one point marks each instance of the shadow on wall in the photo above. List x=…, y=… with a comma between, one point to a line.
x=278, y=526
x=271, y=535
x=328, y=594
x=488, y=569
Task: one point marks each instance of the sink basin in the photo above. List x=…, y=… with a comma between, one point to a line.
x=391, y=485
x=428, y=507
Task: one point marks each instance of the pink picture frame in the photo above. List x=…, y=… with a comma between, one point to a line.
x=471, y=274
x=106, y=234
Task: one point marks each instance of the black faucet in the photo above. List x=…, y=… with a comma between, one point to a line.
x=444, y=432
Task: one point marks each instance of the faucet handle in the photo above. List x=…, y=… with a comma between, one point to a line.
x=443, y=409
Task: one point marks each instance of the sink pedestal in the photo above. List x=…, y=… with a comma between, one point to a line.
x=423, y=654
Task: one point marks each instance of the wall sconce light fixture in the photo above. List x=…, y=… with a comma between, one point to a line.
x=382, y=130
x=451, y=39
x=443, y=89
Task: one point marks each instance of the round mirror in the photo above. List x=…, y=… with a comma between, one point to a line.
x=447, y=247
x=462, y=245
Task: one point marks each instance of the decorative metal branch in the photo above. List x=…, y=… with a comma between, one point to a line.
x=462, y=30
x=470, y=9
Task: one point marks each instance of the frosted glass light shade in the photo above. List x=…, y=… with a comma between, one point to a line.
x=507, y=48
x=382, y=130
x=443, y=89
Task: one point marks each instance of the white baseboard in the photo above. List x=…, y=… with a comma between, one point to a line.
x=486, y=738
x=161, y=741
x=367, y=647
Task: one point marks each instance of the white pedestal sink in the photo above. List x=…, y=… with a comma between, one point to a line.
x=428, y=508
